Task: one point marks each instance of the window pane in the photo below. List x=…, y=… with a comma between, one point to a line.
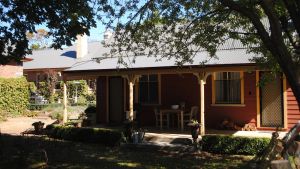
x=152, y=78
x=143, y=92
x=228, y=87
x=148, y=89
x=153, y=92
x=144, y=78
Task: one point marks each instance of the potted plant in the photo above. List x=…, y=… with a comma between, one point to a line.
x=132, y=134
x=38, y=126
x=129, y=130
x=195, y=128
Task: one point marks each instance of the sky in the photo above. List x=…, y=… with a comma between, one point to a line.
x=96, y=34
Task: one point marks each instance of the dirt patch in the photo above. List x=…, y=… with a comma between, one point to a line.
x=15, y=126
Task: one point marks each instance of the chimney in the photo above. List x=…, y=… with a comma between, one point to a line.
x=81, y=46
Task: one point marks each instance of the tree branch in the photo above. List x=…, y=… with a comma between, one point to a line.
x=291, y=6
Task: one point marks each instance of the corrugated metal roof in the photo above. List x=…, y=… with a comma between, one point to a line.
x=231, y=52
x=51, y=58
x=233, y=56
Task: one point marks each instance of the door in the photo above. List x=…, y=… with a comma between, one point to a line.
x=271, y=104
x=116, y=109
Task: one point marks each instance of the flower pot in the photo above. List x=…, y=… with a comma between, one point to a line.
x=195, y=129
x=195, y=132
x=141, y=135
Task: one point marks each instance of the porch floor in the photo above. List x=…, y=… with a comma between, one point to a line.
x=173, y=137
x=186, y=133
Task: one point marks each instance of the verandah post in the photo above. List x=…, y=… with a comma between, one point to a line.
x=132, y=79
x=202, y=76
x=202, y=99
x=65, y=115
x=131, y=100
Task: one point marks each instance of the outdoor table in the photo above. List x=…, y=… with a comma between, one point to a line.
x=171, y=111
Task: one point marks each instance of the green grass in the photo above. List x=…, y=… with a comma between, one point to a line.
x=21, y=152
x=59, y=108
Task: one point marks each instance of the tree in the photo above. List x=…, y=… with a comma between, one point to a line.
x=38, y=40
x=175, y=28
x=64, y=19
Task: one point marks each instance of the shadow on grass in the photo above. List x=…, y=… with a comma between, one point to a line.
x=42, y=152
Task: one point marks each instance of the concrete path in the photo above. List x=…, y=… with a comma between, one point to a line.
x=15, y=126
x=185, y=139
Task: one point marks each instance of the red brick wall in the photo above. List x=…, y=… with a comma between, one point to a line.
x=293, y=112
x=177, y=88
x=11, y=70
x=31, y=76
x=101, y=100
x=215, y=114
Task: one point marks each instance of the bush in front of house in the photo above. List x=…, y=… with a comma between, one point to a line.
x=32, y=87
x=81, y=85
x=43, y=90
x=90, y=109
x=107, y=137
x=3, y=115
x=234, y=145
x=14, y=95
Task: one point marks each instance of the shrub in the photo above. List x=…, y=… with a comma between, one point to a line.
x=14, y=95
x=29, y=113
x=234, y=145
x=32, y=87
x=106, y=137
x=43, y=90
x=36, y=106
x=90, y=109
x=56, y=115
x=3, y=115
x=91, y=97
x=81, y=100
x=82, y=88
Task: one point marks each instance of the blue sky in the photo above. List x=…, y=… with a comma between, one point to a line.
x=97, y=33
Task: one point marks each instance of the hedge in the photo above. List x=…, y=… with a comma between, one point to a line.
x=106, y=137
x=234, y=145
x=14, y=95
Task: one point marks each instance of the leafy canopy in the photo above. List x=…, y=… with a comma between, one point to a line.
x=64, y=19
x=177, y=28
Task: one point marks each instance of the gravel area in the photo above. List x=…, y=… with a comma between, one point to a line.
x=14, y=126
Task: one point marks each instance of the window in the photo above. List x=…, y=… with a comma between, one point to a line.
x=148, y=89
x=228, y=88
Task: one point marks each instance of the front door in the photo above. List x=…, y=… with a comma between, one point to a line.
x=116, y=109
x=271, y=104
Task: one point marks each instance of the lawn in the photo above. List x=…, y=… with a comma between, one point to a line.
x=28, y=152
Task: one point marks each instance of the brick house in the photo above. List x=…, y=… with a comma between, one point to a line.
x=55, y=61
x=226, y=87
x=13, y=69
